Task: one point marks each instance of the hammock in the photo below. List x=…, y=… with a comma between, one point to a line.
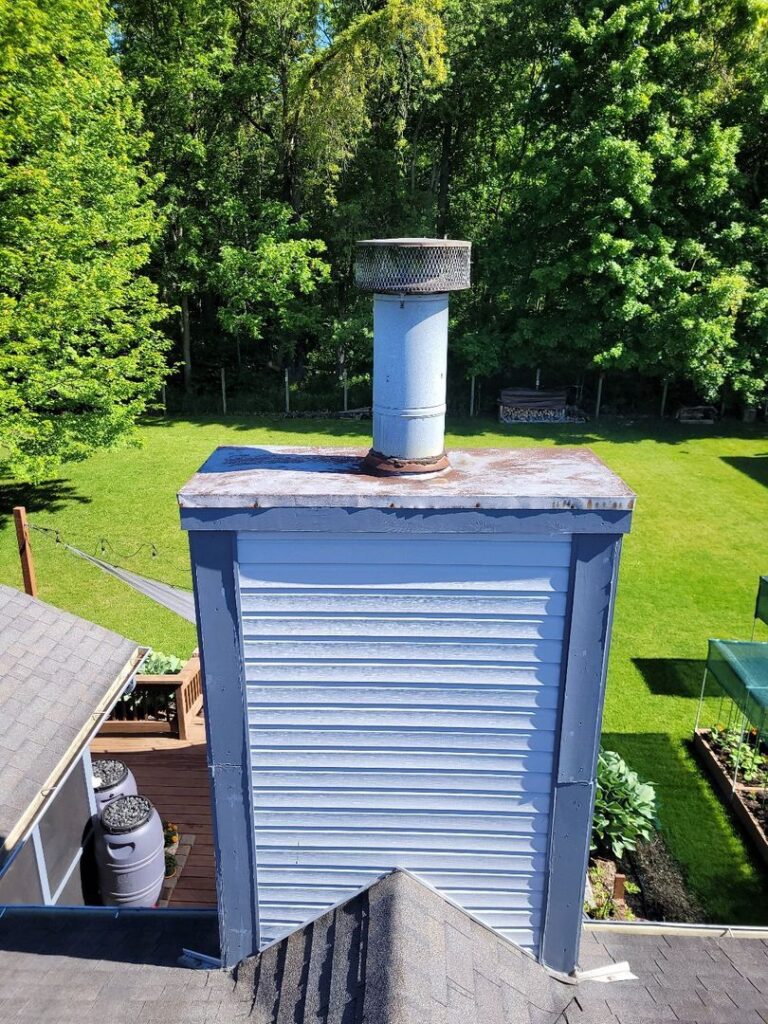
x=176, y=599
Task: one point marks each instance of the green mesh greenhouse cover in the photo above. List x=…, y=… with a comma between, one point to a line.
x=741, y=669
x=761, y=607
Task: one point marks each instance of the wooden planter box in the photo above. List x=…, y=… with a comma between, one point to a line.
x=185, y=690
x=733, y=796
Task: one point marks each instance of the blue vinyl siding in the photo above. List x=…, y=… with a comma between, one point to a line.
x=402, y=699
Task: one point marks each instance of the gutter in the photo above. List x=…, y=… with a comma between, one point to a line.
x=703, y=931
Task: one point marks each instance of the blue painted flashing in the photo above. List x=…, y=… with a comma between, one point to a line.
x=218, y=628
x=385, y=520
x=594, y=571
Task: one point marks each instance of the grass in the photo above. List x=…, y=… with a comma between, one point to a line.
x=689, y=571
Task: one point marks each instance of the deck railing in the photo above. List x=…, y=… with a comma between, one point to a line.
x=159, y=704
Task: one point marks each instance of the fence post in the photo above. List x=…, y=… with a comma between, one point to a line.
x=287, y=394
x=165, y=403
x=599, y=401
x=472, y=397
x=664, y=398
x=25, y=551
x=538, y=379
x=346, y=392
x=224, y=390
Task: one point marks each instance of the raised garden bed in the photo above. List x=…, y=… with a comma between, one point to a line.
x=746, y=802
x=162, y=704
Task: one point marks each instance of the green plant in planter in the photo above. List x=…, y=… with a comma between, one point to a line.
x=158, y=664
x=749, y=761
x=170, y=833
x=741, y=751
x=171, y=865
x=625, y=807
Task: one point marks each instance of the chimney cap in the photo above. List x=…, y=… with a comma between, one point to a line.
x=403, y=266
x=418, y=243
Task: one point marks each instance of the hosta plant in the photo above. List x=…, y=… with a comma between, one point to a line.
x=625, y=807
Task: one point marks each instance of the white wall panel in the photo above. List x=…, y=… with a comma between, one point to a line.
x=402, y=706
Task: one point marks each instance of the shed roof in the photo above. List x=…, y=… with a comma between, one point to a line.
x=58, y=675
x=487, y=478
x=396, y=953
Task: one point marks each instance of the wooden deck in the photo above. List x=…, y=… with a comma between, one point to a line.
x=173, y=774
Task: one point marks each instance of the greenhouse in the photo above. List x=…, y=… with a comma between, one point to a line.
x=731, y=731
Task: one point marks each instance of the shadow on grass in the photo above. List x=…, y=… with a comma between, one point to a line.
x=48, y=496
x=672, y=677
x=615, y=430
x=280, y=424
x=755, y=466
x=732, y=885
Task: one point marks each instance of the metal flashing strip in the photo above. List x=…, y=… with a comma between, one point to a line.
x=339, y=519
x=702, y=931
x=218, y=626
x=594, y=575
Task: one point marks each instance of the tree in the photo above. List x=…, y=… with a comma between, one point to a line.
x=623, y=219
x=81, y=355
x=257, y=110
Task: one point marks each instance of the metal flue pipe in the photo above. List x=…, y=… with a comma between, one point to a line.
x=410, y=279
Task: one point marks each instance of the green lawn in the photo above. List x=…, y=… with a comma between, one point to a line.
x=689, y=571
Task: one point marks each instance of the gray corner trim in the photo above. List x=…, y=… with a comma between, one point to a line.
x=397, y=520
x=218, y=629
x=594, y=570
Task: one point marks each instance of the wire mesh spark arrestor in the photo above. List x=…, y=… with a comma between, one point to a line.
x=410, y=279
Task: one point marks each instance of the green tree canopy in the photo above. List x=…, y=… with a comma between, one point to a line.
x=258, y=110
x=81, y=354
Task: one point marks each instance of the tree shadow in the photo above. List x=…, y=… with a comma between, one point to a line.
x=672, y=677
x=754, y=466
x=613, y=429
x=279, y=424
x=48, y=496
x=699, y=830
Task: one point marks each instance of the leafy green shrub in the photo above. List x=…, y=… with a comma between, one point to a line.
x=158, y=664
x=625, y=807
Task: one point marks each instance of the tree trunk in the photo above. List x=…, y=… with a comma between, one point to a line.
x=186, y=343
x=444, y=181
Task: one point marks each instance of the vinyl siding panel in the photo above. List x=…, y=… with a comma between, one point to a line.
x=402, y=699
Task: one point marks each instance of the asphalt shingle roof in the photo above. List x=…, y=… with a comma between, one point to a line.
x=55, y=668
x=397, y=953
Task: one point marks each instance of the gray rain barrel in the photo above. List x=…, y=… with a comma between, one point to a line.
x=129, y=853
x=112, y=779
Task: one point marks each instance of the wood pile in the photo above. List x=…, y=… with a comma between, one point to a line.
x=527, y=405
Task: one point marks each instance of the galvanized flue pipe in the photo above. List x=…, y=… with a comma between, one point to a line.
x=410, y=279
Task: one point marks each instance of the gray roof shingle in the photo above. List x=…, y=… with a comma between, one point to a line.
x=55, y=668
x=396, y=953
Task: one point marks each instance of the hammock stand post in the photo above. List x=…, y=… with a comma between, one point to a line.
x=25, y=551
